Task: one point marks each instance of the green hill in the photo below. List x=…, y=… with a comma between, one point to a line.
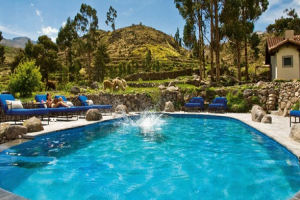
x=131, y=44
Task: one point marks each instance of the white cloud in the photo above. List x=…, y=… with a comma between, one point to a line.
x=275, y=11
x=50, y=32
x=63, y=24
x=31, y=4
x=12, y=31
x=39, y=14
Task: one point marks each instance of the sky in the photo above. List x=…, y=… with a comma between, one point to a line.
x=33, y=18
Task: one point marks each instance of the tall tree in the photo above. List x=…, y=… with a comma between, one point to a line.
x=87, y=24
x=217, y=37
x=238, y=24
x=65, y=39
x=177, y=38
x=291, y=22
x=111, y=16
x=250, y=11
x=45, y=54
x=192, y=12
x=233, y=28
x=101, y=59
x=2, y=51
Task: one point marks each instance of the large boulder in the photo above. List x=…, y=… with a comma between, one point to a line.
x=267, y=119
x=121, y=109
x=93, y=115
x=172, y=89
x=15, y=132
x=33, y=125
x=75, y=90
x=95, y=85
x=3, y=128
x=169, y=107
x=257, y=113
x=295, y=132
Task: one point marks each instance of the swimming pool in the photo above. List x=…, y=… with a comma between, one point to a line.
x=169, y=157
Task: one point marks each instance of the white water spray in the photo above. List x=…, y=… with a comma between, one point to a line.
x=148, y=123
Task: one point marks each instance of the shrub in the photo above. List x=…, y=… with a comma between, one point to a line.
x=237, y=103
x=296, y=106
x=26, y=79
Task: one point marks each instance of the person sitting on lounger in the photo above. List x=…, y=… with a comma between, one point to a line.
x=55, y=103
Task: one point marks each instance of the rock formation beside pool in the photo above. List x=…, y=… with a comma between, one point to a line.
x=257, y=113
x=121, y=109
x=169, y=107
x=295, y=132
x=93, y=115
x=267, y=119
x=11, y=132
x=33, y=125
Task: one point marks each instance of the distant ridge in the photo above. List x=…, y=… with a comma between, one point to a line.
x=17, y=42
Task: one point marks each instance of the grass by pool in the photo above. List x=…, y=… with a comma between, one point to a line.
x=172, y=157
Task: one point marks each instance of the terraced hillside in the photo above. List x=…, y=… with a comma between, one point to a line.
x=132, y=43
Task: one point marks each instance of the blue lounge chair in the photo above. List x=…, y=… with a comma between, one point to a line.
x=20, y=112
x=195, y=102
x=295, y=114
x=60, y=111
x=218, y=104
x=83, y=101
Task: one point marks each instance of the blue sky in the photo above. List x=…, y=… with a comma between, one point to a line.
x=32, y=18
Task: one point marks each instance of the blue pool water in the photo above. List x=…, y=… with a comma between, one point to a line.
x=152, y=158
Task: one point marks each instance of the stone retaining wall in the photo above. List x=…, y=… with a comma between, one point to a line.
x=160, y=75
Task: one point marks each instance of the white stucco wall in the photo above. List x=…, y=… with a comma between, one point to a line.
x=287, y=73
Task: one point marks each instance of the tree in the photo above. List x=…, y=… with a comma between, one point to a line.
x=45, y=54
x=254, y=42
x=177, y=38
x=66, y=36
x=193, y=13
x=238, y=25
x=26, y=79
x=111, y=16
x=2, y=51
x=148, y=60
x=250, y=12
x=233, y=28
x=17, y=59
x=101, y=59
x=87, y=24
x=291, y=22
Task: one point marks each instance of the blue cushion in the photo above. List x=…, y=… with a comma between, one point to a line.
x=194, y=105
x=3, y=98
x=220, y=100
x=63, y=97
x=295, y=113
x=38, y=111
x=83, y=100
x=40, y=98
x=63, y=109
x=218, y=106
x=100, y=106
x=196, y=100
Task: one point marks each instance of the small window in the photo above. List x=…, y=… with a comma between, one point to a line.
x=287, y=61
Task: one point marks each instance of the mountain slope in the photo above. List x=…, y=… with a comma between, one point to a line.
x=133, y=42
x=18, y=42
